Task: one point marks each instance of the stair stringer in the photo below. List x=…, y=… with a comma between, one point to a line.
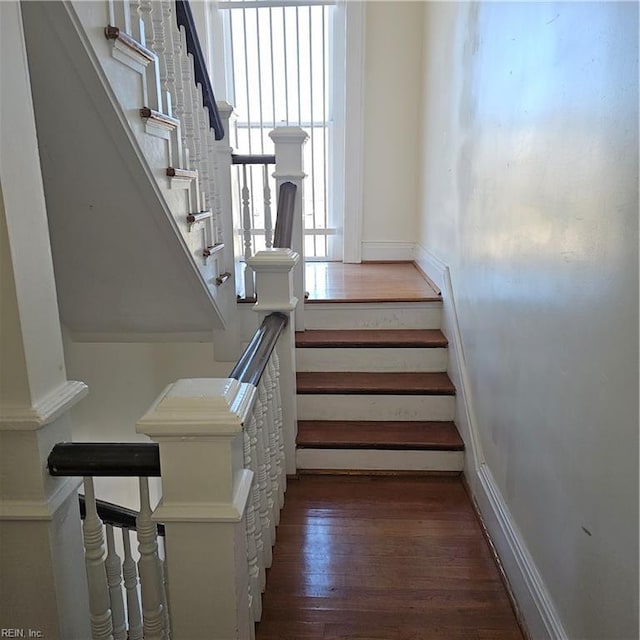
x=122, y=263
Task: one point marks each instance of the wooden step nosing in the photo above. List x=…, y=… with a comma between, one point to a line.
x=114, y=33
x=392, y=446
x=352, y=391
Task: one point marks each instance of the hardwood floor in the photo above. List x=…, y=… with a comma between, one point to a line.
x=382, y=558
x=366, y=282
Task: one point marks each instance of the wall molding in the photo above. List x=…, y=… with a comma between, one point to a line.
x=532, y=596
x=44, y=411
x=355, y=20
x=392, y=251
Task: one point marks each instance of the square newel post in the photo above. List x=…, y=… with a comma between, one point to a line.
x=224, y=150
x=198, y=424
x=289, y=143
x=274, y=269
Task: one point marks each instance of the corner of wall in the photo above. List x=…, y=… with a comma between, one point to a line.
x=532, y=597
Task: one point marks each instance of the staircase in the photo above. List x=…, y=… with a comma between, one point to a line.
x=373, y=394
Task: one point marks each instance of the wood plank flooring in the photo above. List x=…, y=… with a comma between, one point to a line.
x=382, y=558
x=366, y=282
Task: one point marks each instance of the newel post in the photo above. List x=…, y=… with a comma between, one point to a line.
x=224, y=150
x=275, y=269
x=289, y=146
x=198, y=424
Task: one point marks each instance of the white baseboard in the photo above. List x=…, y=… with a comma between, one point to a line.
x=392, y=251
x=532, y=597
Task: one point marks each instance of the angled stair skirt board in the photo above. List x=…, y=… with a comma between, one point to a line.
x=534, y=600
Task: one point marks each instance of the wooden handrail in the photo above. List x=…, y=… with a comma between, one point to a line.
x=239, y=158
x=184, y=18
x=115, y=515
x=105, y=459
x=284, y=217
x=255, y=357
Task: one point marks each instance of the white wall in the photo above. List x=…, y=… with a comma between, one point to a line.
x=393, y=64
x=530, y=195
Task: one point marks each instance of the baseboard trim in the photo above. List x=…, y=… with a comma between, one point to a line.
x=388, y=251
x=538, y=614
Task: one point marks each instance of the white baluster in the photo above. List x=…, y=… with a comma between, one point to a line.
x=113, y=567
x=279, y=427
x=148, y=568
x=130, y=573
x=164, y=580
x=274, y=474
x=99, y=609
x=255, y=598
x=266, y=438
x=252, y=432
x=268, y=225
x=263, y=481
x=249, y=290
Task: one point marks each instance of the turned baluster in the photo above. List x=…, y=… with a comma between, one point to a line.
x=274, y=475
x=252, y=432
x=113, y=568
x=148, y=568
x=255, y=599
x=94, y=554
x=263, y=482
x=265, y=433
x=130, y=573
x=268, y=225
x=282, y=469
x=164, y=581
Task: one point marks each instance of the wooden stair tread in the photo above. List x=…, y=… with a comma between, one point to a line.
x=364, y=434
x=382, y=338
x=358, y=382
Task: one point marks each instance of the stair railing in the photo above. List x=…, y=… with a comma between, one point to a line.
x=114, y=580
x=222, y=449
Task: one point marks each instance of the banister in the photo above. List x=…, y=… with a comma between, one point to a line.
x=284, y=217
x=240, y=158
x=105, y=459
x=184, y=18
x=255, y=357
x=115, y=514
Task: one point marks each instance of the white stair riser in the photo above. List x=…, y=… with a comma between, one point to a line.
x=379, y=460
x=375, y=407
x=366, y=316
x=370, y=359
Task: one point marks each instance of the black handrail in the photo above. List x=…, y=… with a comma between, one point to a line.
x=253, y=360
x=114, y=514
x=184, y=18
x=284, y=217
x=105, y=459
x=239, y=158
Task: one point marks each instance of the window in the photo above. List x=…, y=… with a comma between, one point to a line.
x=278, y=68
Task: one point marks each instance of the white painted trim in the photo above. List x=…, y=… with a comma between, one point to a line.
x=40, y=509
x=354, y=130
x=379, y=459
x=531, y=594
x=197, y=336
x=209, y=512
x=44, y=411
x=388, y=251
x=430, y=264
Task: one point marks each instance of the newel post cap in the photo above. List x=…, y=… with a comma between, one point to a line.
x=290, y=135
x=274, y=260
x=194, y=407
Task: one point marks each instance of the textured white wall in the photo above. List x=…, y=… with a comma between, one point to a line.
x=393, y=64
x=530, y=194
